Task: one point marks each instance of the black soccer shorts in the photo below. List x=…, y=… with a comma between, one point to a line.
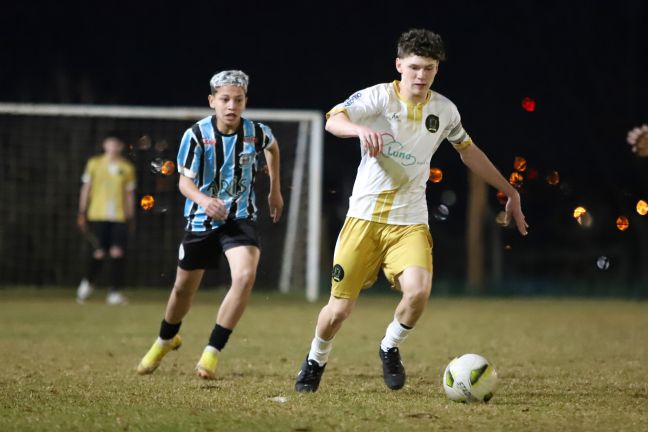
x=202, y=250
x=103, y=235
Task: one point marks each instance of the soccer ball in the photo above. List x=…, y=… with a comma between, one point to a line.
x=470, y=378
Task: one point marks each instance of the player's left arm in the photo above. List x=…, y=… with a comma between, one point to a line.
x=478, y=162
x=275, y=200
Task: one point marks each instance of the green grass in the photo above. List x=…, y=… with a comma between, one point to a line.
x=563, y=365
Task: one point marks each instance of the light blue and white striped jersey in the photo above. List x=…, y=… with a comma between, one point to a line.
x=222, y=166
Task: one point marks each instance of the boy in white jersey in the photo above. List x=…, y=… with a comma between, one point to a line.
x=399, y=125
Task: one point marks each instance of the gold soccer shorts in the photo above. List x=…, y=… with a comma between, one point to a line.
x=363, y=247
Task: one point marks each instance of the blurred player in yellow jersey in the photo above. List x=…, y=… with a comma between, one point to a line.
x=399, y=126
x=106, y=206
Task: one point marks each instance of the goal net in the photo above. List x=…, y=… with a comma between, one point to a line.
x=45, y=148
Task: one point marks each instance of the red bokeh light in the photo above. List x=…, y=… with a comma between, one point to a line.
x=436, y=175
x=516, y=179
x=528, y=104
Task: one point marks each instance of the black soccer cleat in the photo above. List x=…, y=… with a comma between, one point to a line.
x=393, y=369
x=309, y=376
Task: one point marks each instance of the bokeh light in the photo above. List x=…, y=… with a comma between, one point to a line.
x=520, y=163
x=501, y=219
x=161, y=145
x=528, y=104
x=553, y=178
x=167, y=168
x=642, y=207
x=436, y=175
x=501, y=197
x=441, y=212
x=622, y=223
x=516, y=179
x=144, y=143
x=603, y=262
x=156, y=165
x=532, y=174
x=585, y=220
x=448, y=197
x=147, y=202
x=579, y=211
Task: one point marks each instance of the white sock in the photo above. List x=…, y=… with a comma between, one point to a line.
x=394, y=335
x=163, y=341
x=212, y=349
x=320, y=349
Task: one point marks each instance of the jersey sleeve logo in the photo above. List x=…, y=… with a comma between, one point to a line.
x=352, y=99
x=338, y=273
x=432, y=123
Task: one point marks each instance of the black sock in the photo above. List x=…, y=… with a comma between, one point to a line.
x=219, y=337
x=93, y=267
x=168, y=331
x=118, y=273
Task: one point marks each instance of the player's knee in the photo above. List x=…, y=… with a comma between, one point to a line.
x=244, y=278
x=416, y=295
x=99, y=254
x=338, y=313
x=182, y=291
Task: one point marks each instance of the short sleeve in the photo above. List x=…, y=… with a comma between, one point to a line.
x=86, y=177
x=456, y=134
x=190, y=155
x=362, y=104
x=267, y=138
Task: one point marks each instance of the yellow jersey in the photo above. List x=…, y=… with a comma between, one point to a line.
x=109, y=181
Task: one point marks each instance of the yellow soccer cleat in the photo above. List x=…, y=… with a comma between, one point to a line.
x=154, y=356
x=206, y=367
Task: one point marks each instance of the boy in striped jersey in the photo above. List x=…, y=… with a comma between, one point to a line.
x=217, y=162
x=399, y=126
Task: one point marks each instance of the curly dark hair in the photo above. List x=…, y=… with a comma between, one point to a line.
x=422, y=43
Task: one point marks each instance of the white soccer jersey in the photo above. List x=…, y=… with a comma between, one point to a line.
x=390, y=188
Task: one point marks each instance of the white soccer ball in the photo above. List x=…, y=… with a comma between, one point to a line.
x=470, y=378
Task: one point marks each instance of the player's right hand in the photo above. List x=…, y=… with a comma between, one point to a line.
x=514, y=210
x=370, y=140
x=215, y=208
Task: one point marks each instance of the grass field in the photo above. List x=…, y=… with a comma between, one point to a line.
x=563, y=365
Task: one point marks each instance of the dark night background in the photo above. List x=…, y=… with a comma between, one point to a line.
x=584, y=63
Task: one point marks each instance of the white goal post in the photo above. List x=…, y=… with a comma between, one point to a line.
x=309, y=146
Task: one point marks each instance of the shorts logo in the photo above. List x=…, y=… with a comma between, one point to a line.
x=181, y=253
x=338, y=273
x=432, y=123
